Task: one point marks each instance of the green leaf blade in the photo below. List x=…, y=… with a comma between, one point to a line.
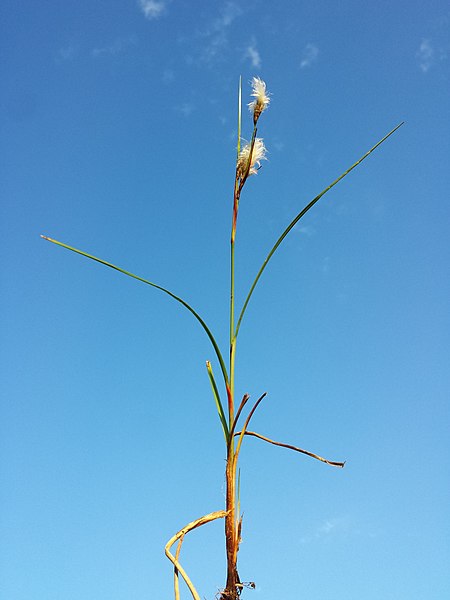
x=218, y=402
x=158, y=287
x=299, y=216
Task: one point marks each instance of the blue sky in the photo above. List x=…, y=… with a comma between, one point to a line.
x=118, y=136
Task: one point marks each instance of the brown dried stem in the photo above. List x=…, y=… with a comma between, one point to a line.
x=176, y=584
x=238, y=414
x=247, y=421
x=178, y=569
x=290, y=447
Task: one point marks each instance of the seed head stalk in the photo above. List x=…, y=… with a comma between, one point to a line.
x=247, y=159
x=230, y=592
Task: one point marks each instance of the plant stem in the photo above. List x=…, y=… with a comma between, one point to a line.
x=232, y=543
x=230, y=592
x=232, y=335
x=232, y=520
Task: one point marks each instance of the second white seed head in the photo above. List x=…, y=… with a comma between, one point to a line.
x=258, y=154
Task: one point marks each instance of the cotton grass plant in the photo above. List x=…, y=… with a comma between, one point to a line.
x=233, y=415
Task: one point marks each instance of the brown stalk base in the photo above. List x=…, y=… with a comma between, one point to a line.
x=233, y=586
x=225, y=595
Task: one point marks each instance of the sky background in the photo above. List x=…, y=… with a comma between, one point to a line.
x=118, y=136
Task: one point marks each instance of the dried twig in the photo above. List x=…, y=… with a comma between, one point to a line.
x=176, y=584
x=178, y=569
x=290, y=447
x=238, y=414
x=247, y=421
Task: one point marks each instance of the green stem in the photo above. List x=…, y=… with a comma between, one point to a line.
x=158, y=287
x=298, y=217
x=230, y=387
x=232, y=337
x=232, y=242
x=231, y=404
x=239, y=183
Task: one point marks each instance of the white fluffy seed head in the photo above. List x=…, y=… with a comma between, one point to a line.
x=258, y=154
x=261, y=98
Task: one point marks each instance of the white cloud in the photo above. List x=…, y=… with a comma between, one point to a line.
x=185, y=109
x=152, y=9
x=252, y=53
x=330, y=527
x=214, y=47
x=67, y=53
x=118, y=46
x=229, y=13
x=310, y=55
x=340, y=527
x=307, y=230
x=425, y=55
x=278, y=145
x=327, y=527
x=432, y=53
x=216, y=34
x=326, y=264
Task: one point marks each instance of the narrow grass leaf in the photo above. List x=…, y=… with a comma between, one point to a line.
x=299, y=216
x=218, y=402
x=158, y=287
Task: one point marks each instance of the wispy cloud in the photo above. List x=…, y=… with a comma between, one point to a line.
x=152, y=9
x=278, y=145
x=330, y=527
x=431, y=53
x=425, y=55
x=310, y=55
x=306, y=230
x=118, y=46
x=252, y=53
x=216, y=33
x=67, y=53
x=341, y=527
x=229, y=13
x=186, y=109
